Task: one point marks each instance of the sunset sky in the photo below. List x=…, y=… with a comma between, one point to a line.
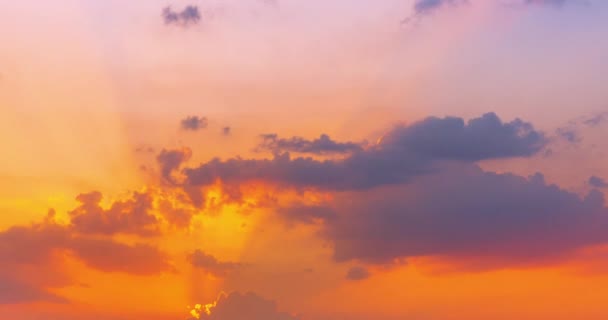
x=303, y=159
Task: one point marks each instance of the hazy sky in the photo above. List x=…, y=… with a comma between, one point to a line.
x=311, y=160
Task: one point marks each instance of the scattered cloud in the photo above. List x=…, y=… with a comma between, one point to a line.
x=226, y=131
x=596, y=120
x=190, y=15
x=194, y=123
x=597, y=182
x=569, y=134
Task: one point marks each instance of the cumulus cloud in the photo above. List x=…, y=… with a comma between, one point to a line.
x=405, y=152
x=194, y=123
x=32, y=258
x=486, y=137
x=319, y=146
x=357, y=273
x=597, y=182
x=239, y=306
x=211, y=264
x=131, y=216
x=188, y=16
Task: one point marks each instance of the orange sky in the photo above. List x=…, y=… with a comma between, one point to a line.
x=359, y=207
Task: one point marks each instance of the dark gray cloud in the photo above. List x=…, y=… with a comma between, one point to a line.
x=486, y=137
x=250, y=306
x=597, y=182
x=319, y=146
x=463, y=211
x=190, y=15
x=357, y=273
x=211, y=265
x=405, y=152
x=194, y=123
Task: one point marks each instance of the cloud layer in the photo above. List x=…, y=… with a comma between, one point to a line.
x=405, y=152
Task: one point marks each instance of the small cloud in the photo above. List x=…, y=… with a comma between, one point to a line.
x=211, y=264
x=194, y=123
x=226, y=131
x=190, y=15
x=357, y=273
x=596, y=119
x=427, y=7
x=568, y=134
x=597, y=182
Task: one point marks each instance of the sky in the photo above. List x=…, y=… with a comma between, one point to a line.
x=303, y=160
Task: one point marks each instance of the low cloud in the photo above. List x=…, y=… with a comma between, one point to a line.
x=212, y=265
x=464, y=211
x=131, y=216
x=405, y=152
x=569, y=134
x=239, y=306
x=320, y=146
x=194, y=123
x=171, y=160
x=190, y=15
x=33, y=257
